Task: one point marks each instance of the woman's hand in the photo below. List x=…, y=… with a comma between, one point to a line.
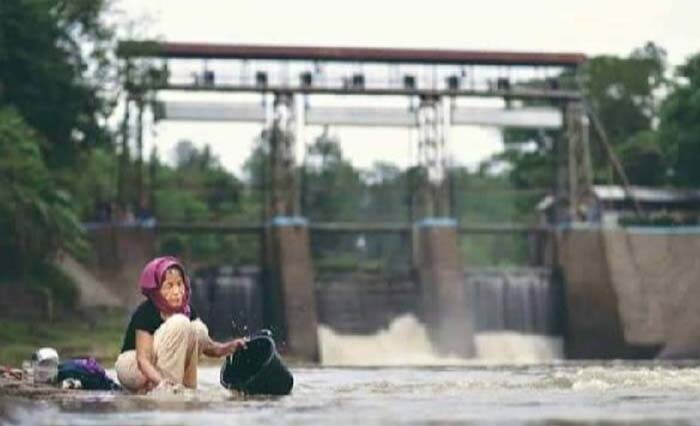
x=166, y=384
x=161, y=383
x=228, y=348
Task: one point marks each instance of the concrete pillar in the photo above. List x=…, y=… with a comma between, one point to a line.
x=447, y=306
x=291, y=297
x=436, y=250
x=291, y=300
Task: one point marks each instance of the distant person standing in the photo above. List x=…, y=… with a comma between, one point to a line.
x=165, y=336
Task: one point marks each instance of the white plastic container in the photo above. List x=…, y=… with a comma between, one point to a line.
x=45, y=364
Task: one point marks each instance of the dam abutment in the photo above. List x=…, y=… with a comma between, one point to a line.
x=631, y=291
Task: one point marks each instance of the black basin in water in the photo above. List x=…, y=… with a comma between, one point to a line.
x=257, y=370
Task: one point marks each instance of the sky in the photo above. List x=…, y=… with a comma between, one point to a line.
x=592, y=27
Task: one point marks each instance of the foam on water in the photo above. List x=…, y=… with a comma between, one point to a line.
x=406, y=342
x=620, y=377
x=513, y=347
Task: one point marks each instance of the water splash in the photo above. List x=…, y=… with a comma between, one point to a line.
x=513, y=347
x=406, y=342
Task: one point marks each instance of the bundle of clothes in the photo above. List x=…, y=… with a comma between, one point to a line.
x=77, y=373
x=84, y=373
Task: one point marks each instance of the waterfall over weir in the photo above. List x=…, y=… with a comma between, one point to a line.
x=368, y=321
x=524, y=299
x=378, y=319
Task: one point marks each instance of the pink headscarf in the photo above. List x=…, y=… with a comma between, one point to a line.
x=152, y=279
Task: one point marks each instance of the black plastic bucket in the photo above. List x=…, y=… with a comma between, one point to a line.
x=257, y=370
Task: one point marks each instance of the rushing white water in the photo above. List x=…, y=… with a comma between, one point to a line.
x=406, y=342
x=513, y=347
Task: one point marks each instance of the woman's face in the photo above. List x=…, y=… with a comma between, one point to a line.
x=173, y=288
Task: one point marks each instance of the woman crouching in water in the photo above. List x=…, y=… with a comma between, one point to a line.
x=165, y=336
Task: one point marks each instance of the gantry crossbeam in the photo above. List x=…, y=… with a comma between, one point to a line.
x=139, y=49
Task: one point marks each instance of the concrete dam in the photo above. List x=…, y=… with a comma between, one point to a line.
x=609, y=292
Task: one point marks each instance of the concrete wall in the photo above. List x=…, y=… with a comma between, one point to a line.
x=120, y=253
x=657, y=273
x=631, y=292
x=93, y=292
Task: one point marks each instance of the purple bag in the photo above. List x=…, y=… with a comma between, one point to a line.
x=91, y=374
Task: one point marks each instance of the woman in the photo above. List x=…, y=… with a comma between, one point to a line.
x=165, y=336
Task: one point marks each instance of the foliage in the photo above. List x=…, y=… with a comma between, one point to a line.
x=93, y=182
x=36, y=217
x=54, y=64
x=486, y=197
x=623, y=92
x=387, y=193
x=255, y=170
x=643, y=158
x=54, y=71
x=679, y=127
x=198, y=189
x=331, y=184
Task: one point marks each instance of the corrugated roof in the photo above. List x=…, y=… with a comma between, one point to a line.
x=645, y=194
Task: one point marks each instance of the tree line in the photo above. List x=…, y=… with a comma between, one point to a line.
x=60, y=157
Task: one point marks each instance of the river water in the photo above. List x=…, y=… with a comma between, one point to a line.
x=516, y=379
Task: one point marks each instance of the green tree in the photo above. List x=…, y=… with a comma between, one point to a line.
x=386, y=193
x=624, y=94
x=36, y=217
x=679, y=127
x=643, y=158
x=255, y=176
x=198, y=189
x=623, y=91
x=56, y=72
x=331, y=185
x=54, y=64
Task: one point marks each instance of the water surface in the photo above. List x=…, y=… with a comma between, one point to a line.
x=551, y=393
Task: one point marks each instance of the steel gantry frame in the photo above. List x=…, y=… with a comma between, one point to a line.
x=431, y=118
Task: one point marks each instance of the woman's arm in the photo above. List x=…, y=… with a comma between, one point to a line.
x=144, y=355
x=213, y=348
x=216, y=349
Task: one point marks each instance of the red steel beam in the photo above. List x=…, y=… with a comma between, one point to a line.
x=345, y=54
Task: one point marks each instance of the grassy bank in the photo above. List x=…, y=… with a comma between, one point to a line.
x=99, y=337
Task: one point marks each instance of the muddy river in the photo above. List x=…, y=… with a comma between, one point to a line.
x=515, y=379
